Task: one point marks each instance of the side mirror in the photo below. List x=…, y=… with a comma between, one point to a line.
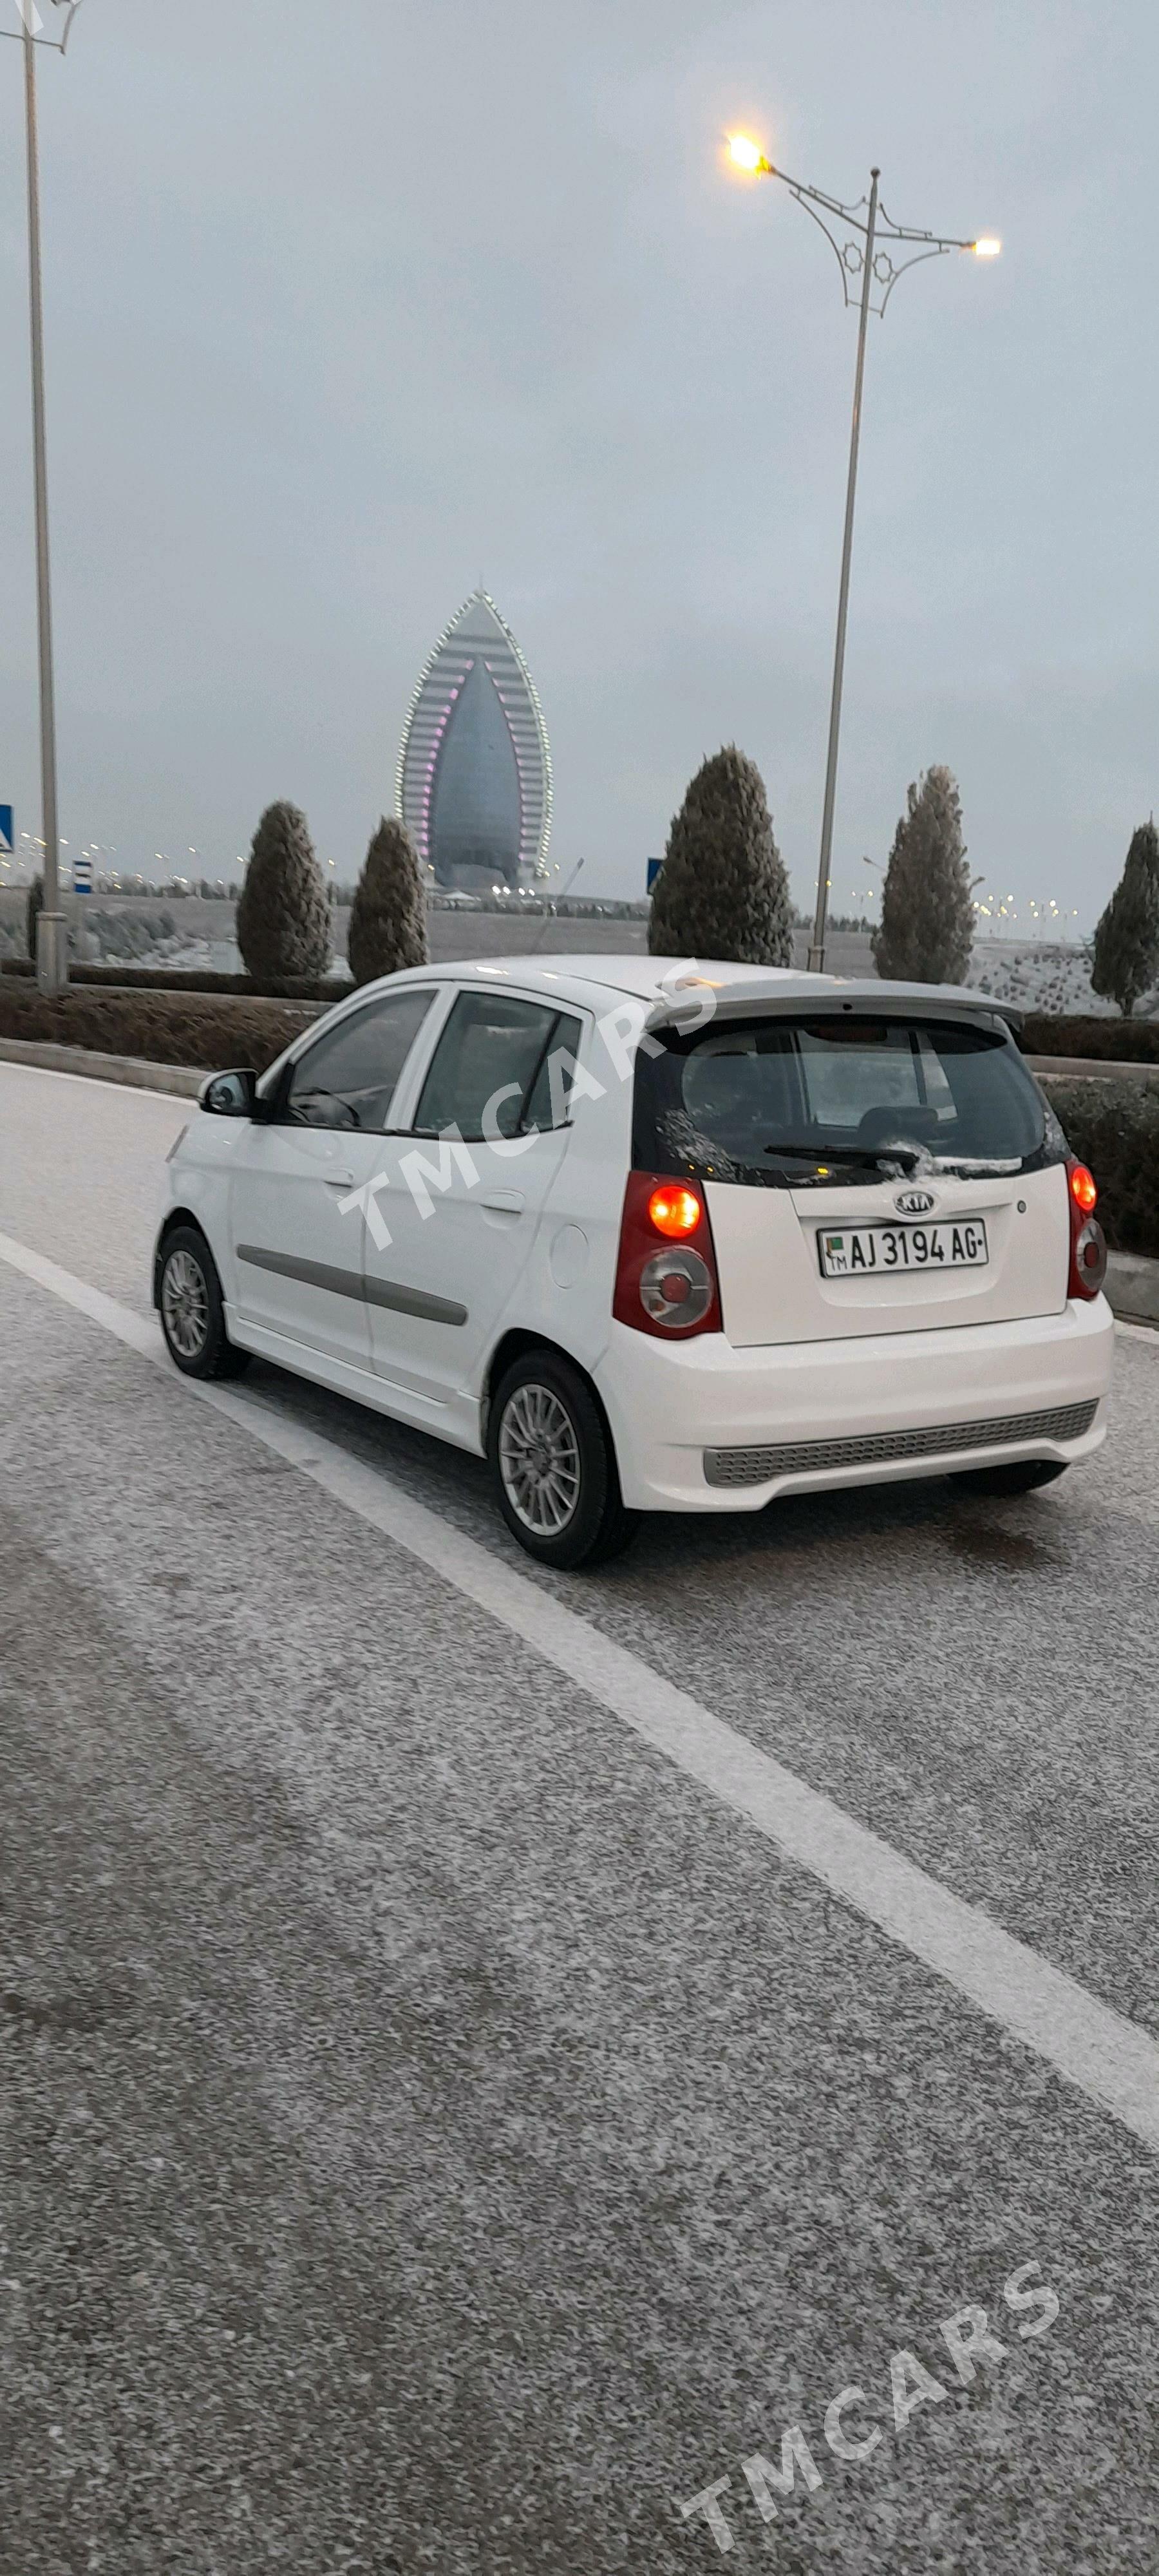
x=230, y=1095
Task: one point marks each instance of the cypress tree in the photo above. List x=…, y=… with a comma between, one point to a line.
x=283, y=916
x=722, y=891
x=388, y=923
x=1126, y=952
x=926, y=931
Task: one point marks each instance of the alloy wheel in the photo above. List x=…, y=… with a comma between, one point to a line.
x=185, y=1305
x=539, y=1460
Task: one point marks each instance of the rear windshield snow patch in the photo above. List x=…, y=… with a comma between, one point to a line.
x=798, y=1103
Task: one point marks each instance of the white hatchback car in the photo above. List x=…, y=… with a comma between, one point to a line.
x=654, y=1236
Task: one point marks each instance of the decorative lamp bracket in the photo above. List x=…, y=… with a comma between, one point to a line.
x=836, y=219
x=33, y=22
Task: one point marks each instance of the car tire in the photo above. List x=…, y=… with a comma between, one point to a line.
x=192, y=1311
x=1022, y=1476
x=554, y=1465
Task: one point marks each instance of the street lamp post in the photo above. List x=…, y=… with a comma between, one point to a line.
x=51, y=926
x=867, y=266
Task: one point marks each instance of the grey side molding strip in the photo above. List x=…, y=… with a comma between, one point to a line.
x=351, y=1283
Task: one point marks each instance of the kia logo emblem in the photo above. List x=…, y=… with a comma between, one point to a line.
x=914, y=1203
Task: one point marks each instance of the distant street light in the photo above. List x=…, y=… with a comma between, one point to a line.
x=52, y=926
x=872, y=264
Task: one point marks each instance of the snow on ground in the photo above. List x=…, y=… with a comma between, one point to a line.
x=1045, y=978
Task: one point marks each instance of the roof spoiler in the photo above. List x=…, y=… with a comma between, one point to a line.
x=692, y=1001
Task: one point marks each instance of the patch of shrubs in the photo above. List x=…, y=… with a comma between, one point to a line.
x=1105, y=1041
x=124, y=934
x=159, y=1028
x=1114, y=1126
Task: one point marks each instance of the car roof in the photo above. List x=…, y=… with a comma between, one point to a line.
x=667, y=982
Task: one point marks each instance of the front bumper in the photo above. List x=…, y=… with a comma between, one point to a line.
x=670, y=1404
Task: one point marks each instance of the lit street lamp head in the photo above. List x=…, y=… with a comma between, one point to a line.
x=871, y=262
x=747, y=155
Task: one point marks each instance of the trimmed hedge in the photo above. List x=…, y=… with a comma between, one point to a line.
x=1114, y=1126
x=160, y=979
x=1106, y=1041
x=160, y=1028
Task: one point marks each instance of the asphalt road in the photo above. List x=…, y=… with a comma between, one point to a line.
x=438, y=2132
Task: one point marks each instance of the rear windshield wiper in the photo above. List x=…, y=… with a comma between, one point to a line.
x=968, y=1167
x=974, y=1167
x=862, y=1154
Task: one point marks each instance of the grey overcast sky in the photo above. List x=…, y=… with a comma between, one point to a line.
x=348, y=305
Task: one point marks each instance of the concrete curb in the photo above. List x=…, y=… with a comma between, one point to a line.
x=183, y=1079
x=1133, y=1287
x=1089, y=1068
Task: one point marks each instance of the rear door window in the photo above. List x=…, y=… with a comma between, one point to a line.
x=789, y=1102
x=549, y=1100
x=502, y=1067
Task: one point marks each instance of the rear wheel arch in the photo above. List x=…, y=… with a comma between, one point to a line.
x=564, y=1440
x=513, y=1346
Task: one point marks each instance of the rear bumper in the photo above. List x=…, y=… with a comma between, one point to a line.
x=670, y=1404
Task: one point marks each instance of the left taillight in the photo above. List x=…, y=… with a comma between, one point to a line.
x=1088, y=1243
x=666, y=1279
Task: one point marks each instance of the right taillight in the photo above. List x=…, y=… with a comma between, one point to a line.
x=1088, y=1243
x=666, y=1272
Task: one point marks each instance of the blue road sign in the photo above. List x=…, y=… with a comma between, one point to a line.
x=82, y=876
x=654, y=867
x=6, y=831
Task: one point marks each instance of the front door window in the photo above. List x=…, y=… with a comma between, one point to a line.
x=297, y=1233
x=349, y=1077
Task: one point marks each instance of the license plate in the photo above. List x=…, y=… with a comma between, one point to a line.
x=859, y=1251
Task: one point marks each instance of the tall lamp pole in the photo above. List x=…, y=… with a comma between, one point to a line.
x=868, y=270
x=51, y=926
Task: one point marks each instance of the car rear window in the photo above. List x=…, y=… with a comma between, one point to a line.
x=794, y=1103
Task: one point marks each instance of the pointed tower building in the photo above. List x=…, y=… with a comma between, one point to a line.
x=474, y=772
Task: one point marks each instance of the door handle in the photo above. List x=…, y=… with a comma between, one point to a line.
x=339, y=1180
x=506, y=1202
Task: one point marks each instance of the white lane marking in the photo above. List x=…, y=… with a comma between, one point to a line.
x=138, y=1331
x=1110, y=2059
